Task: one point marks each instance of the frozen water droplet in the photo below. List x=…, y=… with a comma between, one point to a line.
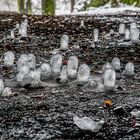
x=122, y=28
x=83, y=74
x=96, y=35
x=129, y=69
x=116, y=64
x=109, y=79
x=1, y=86
x=9, y=58
x=45, y=71
x=56, y=64
x=127, y=34
x=64, y=42
x=72, y=67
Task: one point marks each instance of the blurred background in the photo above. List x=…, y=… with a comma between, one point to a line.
x=58, y=7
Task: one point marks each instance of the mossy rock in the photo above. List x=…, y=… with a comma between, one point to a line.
x=48, y=7
x=97, y=3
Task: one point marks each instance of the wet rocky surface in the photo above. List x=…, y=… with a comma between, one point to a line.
x=47, y=113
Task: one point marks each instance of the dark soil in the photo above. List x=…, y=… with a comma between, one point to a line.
x=47, y=113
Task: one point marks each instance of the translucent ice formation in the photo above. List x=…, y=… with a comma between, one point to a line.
x=1, y=86
x=56, y=64
x=45, y=71
x=129, y=69
x=7, y=92
x=64, y=42
x=72, y=67
x=87, y=123
x=116, y=64
x=109, y=79
x=83, y=74
x=96, y=34
x=122, y=28
x=9, y=58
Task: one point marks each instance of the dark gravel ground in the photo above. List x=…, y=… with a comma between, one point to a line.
x=47, y=113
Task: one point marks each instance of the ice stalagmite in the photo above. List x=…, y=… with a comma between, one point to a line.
x=23, y=28
x=127, y=34
x=129, y=69
x=31, y=61
x=17, y=26
x=9, y=58
x=133, y=25
x=96, y=34
x=12, y=34
x=109, y=79
x=64, y=42
x=7, y=92
x=22, y=61
x=22, y=76
x=34, y=77
x=122, y=29
x=56, y=64
x=83, y=74
x=135, y=35
x=72, y=67
x=63, y=78
x=45, y=71
x=1, y=86
x=106, y=66
x=116, y=63
x=82, y=24
x=27, y=60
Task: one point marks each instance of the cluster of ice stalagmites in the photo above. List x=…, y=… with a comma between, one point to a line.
x=31, y=75
x=131, y=34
